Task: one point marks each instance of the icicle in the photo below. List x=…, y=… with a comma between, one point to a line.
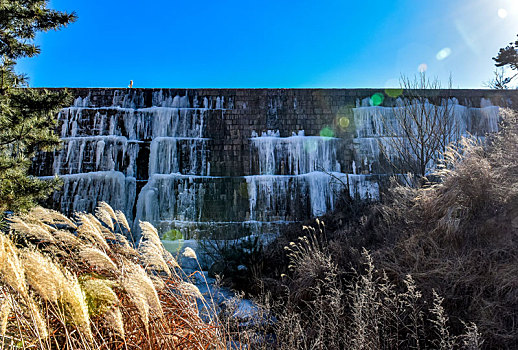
x=99, y=153
x=294, y=155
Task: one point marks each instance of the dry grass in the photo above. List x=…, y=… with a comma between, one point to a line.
x=79, y=284
x=458, y=240
x=459, y=236
x=367, y=312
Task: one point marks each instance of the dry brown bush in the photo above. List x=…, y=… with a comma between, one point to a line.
x=458, y=239
x=322, y=311
x=460, y=236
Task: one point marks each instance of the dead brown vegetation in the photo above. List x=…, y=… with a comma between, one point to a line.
x=456, y=237
x=79, y=284
x=460, y=236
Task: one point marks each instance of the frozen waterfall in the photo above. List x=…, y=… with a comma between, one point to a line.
x=161, y=156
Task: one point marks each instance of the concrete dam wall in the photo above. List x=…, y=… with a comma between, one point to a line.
x=233, y=162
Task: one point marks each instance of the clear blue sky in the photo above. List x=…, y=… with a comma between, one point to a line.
x=272, y=43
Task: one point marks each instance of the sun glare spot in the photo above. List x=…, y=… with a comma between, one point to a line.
x=396, y=92
x=423, y=67
x=377, y=99
x=444, y=53
x=327, y=132
x=343, y=122
x=502, y=13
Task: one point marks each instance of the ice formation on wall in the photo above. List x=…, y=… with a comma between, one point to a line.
x=101, y=145
x=82, y=191
x=294, y=155
x=298, y=177
x=377, y=126
x=150, y=158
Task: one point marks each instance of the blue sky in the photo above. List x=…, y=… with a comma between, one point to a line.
x=272, y=43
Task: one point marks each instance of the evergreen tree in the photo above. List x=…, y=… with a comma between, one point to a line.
x=507, y=57
x=27, y=116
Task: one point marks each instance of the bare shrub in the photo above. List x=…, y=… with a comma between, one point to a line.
x=458, y=236
x=368, y=312
x=447, y=254
x=419, y=129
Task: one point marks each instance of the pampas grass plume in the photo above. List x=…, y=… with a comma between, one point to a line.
x=169, y=258
x=11, y=269
x=31, y=230
x=43, y=275
x=150, y=233
x=113, y=320
x=121, y=218
x=152, y=256
x=5, y=310
x=96, y=258
x=51, y=216
x=66, y=238
x=90, y=230
x=189, y=289
x=37, y=318
x=105, y=213
x=76, y=305
x=100, y=292
x=141, y=291
x=189, y=253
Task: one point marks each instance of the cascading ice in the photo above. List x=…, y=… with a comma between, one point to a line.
x=147, y=153
x=101, y=145
x=294, y=155
x=378, y=127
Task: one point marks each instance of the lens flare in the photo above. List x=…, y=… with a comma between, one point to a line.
x=444, y=53
x=377, y=99
x=173, y=235
x=327, y=132
x=394, y=93
x=423, y=67
x=343, y=122
x=502, y=13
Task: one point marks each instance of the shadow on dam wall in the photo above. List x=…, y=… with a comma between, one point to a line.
x=232, y=162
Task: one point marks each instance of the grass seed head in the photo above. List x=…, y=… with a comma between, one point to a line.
x=150, y=233
x=37, y=319
x=189, y=289
x=29, y=229
x=66, y=238
x=104, y=214
x=11, y=269
x=121, y=218
x=169, y=258
x=96, y=258
x=141, y=291
x=91, y=230
x=76, y=306
x=152, y=257
x=189, y=253
x=51, y=217
x=5, y=310
x=113, y=320
x=43, y=275
x=99, y=294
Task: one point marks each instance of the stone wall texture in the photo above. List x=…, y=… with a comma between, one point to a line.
x=221, y=160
